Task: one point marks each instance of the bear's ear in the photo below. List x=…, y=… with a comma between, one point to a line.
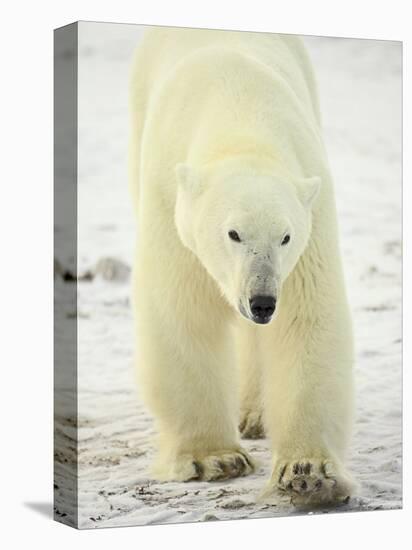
x=308, y=189
x=187, y=177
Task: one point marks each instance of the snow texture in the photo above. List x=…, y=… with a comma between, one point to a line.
x=360, y=91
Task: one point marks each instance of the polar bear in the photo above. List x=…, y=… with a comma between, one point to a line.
x=240, y=303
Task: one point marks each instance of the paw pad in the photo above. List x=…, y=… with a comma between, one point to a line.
x=311, y=481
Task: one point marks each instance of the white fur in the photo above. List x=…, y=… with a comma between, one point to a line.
x=226, y=136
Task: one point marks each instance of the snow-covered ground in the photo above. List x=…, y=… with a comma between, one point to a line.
x=360, y=90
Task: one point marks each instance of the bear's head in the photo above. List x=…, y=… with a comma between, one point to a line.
x=247, y=228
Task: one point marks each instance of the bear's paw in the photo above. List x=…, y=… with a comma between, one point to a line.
x=216, y=466
x=251, y=425
x=308, y=482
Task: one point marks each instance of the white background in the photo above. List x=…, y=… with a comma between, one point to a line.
x=26, y=274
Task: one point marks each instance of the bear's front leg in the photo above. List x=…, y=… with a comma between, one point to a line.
x=309, y=406
x=188, y=380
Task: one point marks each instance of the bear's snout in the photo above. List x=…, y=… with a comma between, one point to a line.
x=262, y=308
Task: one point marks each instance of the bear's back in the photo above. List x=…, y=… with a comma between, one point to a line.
x=163, y=48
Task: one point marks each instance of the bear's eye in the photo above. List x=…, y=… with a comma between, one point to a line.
x=234, y=236
x=285, y=240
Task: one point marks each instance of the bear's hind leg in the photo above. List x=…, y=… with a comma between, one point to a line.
x=250, y=364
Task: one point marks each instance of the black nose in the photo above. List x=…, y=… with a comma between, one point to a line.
x=262, y=308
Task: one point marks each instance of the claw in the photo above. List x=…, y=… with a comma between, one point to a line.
x=198, y=470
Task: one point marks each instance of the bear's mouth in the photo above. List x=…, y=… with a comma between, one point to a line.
x=262, y=320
